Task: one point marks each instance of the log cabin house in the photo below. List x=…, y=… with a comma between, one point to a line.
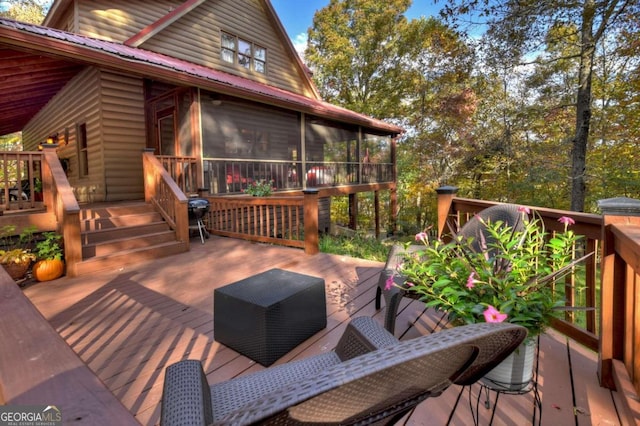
x=161, y=100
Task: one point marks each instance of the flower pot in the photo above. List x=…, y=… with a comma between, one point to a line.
x=515, y=372
x=17, y=270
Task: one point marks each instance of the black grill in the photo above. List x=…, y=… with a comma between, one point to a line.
x=198, y=207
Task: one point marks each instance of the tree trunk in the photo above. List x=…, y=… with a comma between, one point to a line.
x=583, y=109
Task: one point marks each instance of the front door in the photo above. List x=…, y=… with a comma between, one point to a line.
x=166, y=141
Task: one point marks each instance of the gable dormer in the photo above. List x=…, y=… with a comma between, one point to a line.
x=240, y=37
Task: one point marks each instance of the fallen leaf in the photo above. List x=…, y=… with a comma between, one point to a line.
x=580, y=410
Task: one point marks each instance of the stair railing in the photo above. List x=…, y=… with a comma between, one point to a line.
x=165, y=195
x=59, y=196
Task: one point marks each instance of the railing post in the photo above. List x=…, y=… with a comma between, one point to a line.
x=148, y=175
x=445, y=199
x=612, y=294
x=311, y=244
x=58, y=195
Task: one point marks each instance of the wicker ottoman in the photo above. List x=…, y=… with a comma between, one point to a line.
x=265, y=316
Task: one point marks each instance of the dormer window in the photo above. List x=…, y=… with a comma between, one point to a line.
x=244, y=53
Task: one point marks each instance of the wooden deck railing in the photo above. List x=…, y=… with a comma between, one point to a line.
x=619, y=355
x=165, y=195
x=226, y=176
x=183, y=170
x=580, y=320
x=20, y=177
x=283, y=220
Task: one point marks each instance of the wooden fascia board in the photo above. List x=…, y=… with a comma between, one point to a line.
x=162, y=23
x=292, y=50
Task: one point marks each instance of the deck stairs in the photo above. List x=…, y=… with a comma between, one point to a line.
x=125, y=233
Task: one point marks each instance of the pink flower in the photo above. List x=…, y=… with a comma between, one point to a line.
x=471, y=281
x=491, y=314
x=389, y=283
x=524, y=209
x=422, y=237
x=566, y=221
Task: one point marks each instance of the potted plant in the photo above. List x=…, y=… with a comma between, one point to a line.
x=49, y=254
x=508, y=276
x=260, y=188
x=16, y=255
x=16, y=262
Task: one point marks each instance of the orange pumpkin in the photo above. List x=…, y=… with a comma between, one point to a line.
x=47, y=270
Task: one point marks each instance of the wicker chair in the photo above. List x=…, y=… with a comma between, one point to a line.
x=370, y=378
x=508, y=214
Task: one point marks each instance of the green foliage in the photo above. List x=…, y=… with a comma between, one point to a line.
x=11, y=142
x=16, y=249
x=353, y=48
x=261, y=188
x=49, y=248
x=25, y=240
x=507, y=277
x=32, y=11
x=358, y=245
x=17, y=255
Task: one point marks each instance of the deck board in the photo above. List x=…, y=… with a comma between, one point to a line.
x=129, y=324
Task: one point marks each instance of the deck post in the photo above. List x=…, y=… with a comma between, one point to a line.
x=613, y=294
x=311, y=245
x=445, y=200
x=59, y=195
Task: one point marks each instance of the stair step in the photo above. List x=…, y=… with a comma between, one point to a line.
x=117, y=245
x=104, y=235
x=115, y=261
x=122, y=234
x=120, y=209
x=112, y=222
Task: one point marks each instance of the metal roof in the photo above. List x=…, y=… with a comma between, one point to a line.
x=36, y=61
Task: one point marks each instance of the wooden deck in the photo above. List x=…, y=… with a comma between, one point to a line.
x=129, y=324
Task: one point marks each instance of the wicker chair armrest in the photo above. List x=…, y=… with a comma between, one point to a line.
x=186, y=397
x=363, y=335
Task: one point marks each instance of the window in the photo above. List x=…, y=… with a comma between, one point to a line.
x=244, y=53
x=83, y=155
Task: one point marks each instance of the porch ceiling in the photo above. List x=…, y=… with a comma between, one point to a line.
x=27, y=82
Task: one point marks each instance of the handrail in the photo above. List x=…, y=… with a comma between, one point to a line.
x=58, y=194
x=453, y=211
x=165, y=195
x=618, y=366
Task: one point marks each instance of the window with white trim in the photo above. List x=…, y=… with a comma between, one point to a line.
x=244, y=53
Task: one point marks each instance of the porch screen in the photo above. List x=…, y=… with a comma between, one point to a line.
x=233, y=129
x=329, y=142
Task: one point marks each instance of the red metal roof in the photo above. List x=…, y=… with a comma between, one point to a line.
x=77, y=49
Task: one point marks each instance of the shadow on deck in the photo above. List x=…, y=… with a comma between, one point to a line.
x=129, y=324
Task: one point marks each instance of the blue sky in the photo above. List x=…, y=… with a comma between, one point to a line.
x=297, y=15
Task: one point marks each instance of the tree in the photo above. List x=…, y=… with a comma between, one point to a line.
x=368, y=57
x=32, y=11
x=517, y=29
x=354, y=49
